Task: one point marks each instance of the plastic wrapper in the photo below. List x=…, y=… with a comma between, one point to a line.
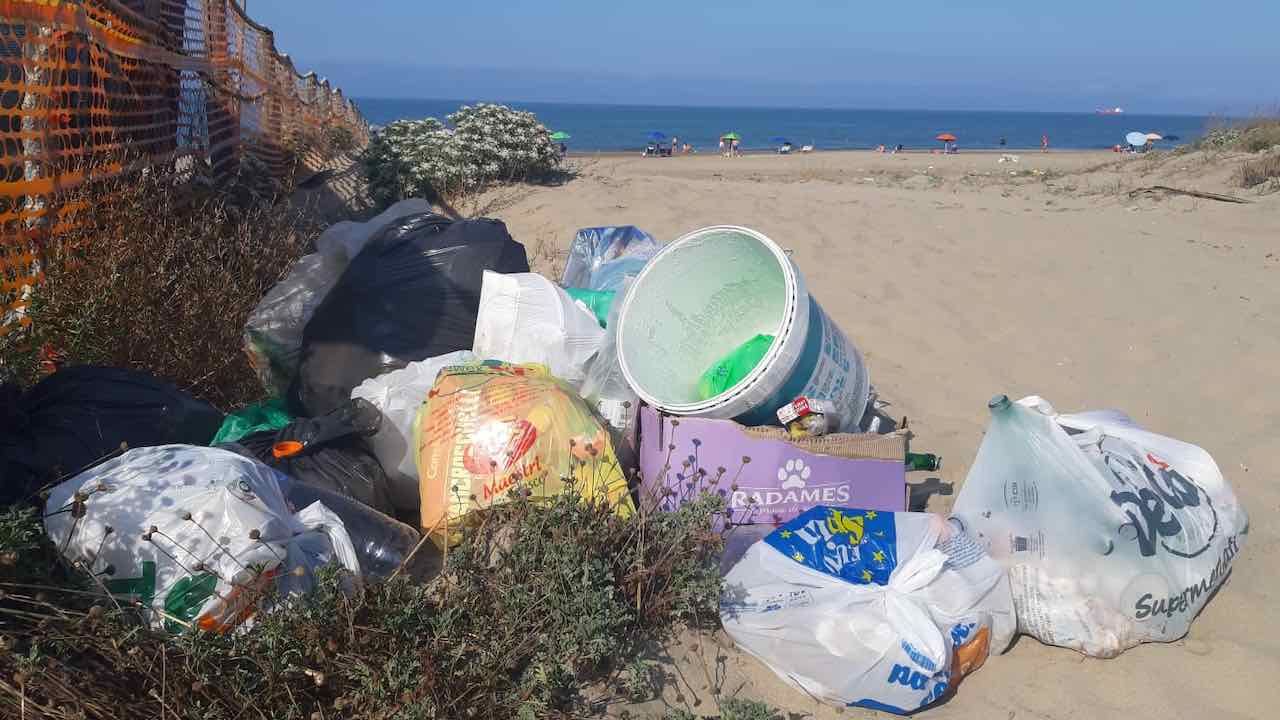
x=269, y=415
x=881, y=610
x=398, y=395
x=597, y=302
x=489, y=430
x=196, y=535
x=601, y=258
x=1112, y=535
x=733, y=367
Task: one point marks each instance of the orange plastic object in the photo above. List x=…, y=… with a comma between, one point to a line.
x=286, y=448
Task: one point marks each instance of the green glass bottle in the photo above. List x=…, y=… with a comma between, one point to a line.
x=923, y=461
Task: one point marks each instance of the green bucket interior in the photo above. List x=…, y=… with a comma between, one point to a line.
x=695, y=305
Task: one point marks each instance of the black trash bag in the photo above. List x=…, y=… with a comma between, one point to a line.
x=80, y=415
x=329, y=452
x=412, y=293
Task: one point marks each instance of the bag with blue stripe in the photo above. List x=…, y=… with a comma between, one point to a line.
x=871, y=609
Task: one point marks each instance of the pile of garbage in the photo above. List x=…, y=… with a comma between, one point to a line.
x=416, y=370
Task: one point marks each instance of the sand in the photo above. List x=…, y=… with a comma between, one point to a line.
x=961, y=277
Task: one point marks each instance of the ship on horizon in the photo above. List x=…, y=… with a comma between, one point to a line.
x=1110, y=111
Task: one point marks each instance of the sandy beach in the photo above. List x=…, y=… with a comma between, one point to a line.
x=960, y=277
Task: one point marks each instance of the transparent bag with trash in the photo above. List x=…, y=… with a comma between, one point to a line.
x=881, y=610
x=197, y=535
x=1112, y=535
x=600, y=258
x=398, y=395
x=605, y=387
x=273, y=331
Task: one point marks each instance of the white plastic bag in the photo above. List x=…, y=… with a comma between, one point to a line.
x=526, y=318
x=398, y=395
x=1112, y=535
x=196, y=534
x=273, y=331
x=871, y=609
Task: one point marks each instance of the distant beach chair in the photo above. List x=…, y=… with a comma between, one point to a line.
x=784, y=149
x=806, y=148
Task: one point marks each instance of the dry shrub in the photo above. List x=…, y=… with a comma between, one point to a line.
x=1256, y=172
x=158, y=280
x=539, y=600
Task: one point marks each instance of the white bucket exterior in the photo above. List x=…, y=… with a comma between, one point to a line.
x=809, y=356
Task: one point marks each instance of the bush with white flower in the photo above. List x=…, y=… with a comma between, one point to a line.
x=482, y=144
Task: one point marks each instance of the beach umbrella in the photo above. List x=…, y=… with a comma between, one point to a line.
x=731, y=136
x=655, y=135
x=782, y=140
x=1154, y=136
x=947, y=137
x=1136, y=139
x=560, y=135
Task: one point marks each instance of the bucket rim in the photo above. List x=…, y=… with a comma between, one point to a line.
x=794, y=284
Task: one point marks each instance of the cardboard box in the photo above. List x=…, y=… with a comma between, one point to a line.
x=766, y=477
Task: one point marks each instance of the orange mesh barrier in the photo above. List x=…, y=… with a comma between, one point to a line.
x=179, y=84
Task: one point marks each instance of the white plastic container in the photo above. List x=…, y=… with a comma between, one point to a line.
x=704, y=295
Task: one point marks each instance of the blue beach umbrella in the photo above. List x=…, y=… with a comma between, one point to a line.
x=655, y=135
x=782, y=140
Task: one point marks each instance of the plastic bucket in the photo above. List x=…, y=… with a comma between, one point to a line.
x=704, y=295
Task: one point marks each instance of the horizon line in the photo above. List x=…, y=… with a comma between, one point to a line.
x=788, y=107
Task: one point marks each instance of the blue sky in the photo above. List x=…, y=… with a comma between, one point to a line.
x=1180, y=56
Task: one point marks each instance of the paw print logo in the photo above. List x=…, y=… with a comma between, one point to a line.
x=794, y=474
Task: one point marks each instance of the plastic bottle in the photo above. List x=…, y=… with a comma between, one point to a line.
x=381, y=542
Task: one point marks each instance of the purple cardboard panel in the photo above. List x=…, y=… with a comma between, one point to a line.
x=764, y=480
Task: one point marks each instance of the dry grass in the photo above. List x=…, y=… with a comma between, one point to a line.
x=1265, y=170
x=160, y=281
x=538, y=601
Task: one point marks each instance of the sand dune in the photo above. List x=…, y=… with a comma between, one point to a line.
x=960, y=277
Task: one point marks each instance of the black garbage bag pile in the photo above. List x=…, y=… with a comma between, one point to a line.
x=412, y=293
x=328, y=452
x=80, y=415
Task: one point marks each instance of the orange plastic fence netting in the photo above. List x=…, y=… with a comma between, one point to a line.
x=177, y=83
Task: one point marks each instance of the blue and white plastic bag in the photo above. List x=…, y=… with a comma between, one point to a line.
x=871, y=609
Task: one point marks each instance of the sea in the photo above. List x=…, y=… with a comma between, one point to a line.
x=628, y=127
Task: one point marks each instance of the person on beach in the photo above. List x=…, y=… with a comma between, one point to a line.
x=736, y=151
x=675, y=145
x=1044, y=143
x=1003, y=142
x=722, y=152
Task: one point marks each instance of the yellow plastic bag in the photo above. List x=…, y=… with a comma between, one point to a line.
x=487, y=429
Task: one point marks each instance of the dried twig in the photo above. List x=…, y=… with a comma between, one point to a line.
x=1193, y=193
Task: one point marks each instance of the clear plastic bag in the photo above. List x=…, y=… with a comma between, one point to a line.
x=273, y=331
x=606, y=389
x=1112, y=535
x=601, y=258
